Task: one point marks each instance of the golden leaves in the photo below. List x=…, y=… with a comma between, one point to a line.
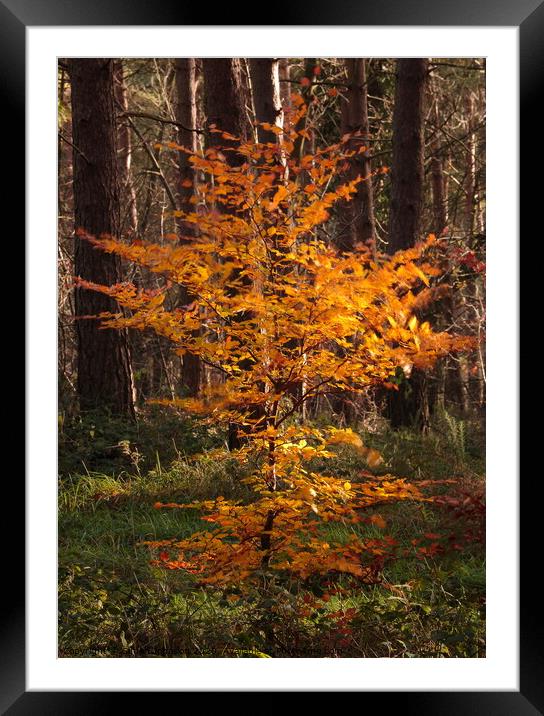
x=279, y=312
x=280, y=194
x=344, y=436
x=378, y=521
x=373, y=458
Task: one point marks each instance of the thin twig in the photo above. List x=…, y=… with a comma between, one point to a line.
x=65, y=139
x=156, y=164
x=164, y=120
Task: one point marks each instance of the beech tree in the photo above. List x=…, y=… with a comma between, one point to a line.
x=452, y=202
x=104, y=372
x=275, y=304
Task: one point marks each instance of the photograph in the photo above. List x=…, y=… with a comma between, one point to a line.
x=271, y=357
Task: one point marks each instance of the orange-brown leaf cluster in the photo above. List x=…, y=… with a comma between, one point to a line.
x=274, y=305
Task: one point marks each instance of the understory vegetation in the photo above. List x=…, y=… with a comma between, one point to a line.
x=427, y=601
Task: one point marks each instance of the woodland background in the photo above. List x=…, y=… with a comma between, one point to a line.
x=424, y=123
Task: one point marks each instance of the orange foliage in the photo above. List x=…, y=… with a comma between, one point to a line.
x=274, y=304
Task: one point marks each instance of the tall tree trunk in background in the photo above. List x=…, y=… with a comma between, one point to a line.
x=360, y=210
x=285, y=86
x=439, y=194
x=186, y=113
x=225, y=102
x=375, y=87
x=129, y=215
x=408, y=145
x=356, y=217
x=459, y=299
x=470, y=175
x=304, y=145
x=440, y=202
x=104, y=366
x=410, y=403
x=225, y=108
x=265, y=83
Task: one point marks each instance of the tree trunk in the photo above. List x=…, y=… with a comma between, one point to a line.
x=104, y=366
x=410, y=405
x=407, y=164
x=186, y=112
x=225, y=108
x=356, y=217
x=285, y=85
x=129, y=217
x=304, y=145
x=470, y=175
x=440, y=203
x=360, y=210
x=265, y=83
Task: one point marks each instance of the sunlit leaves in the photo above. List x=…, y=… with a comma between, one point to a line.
x=283, y=318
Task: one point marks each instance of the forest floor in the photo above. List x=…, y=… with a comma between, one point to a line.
x=114, y=603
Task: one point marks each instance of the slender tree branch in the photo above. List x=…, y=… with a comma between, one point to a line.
x=65, y=139
x=475, y=68
x=154, y=159
x=164, y=120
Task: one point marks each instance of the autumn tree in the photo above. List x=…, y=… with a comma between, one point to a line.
x=104, y=372
x=274, y=304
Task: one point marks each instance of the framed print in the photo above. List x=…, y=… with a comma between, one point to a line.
x=489, y=663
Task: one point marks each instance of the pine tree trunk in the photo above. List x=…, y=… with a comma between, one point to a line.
x=104, y=366
x=285, y=87
x=225, y=108
x=360, y=210
x=129, y=215
x=410, y=405
x=440, y=203
x=225, y=105
x=470, y=175
x=407, y=164
x=265, y=83
x=186, y=112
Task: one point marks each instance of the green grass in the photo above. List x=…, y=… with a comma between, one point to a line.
x=113, y=603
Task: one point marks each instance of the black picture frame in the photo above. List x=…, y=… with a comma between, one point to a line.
x=15, y=16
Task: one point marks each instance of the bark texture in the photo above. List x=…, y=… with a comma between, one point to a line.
x=104, y=365
x=129, y=212
x=226, y=109
x=186, y=112
x=408, y=146
x=265, y=83
x=410, y=405
x=359, y=212
x=225, y=102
